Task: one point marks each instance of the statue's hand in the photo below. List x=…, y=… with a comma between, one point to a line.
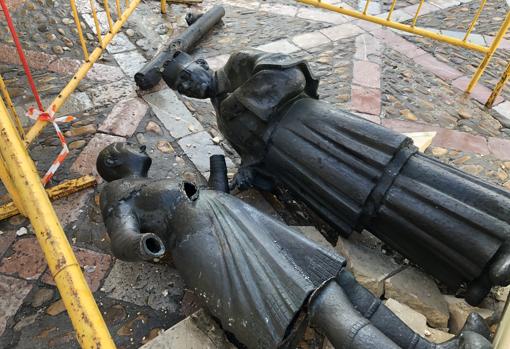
x=251, y=177
x=243, y=179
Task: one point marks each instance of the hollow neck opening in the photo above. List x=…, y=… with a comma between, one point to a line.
x=153, y=245
x=190, y=190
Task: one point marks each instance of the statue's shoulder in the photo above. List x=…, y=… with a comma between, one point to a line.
x=121, y=190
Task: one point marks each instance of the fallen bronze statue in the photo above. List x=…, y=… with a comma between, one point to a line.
x=353, y=173
x=264, y=281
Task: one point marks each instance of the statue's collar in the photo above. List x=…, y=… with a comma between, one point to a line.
x=222, y=82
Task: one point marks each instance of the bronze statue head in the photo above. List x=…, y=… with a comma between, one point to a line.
x=189, y=77
x=123, y=159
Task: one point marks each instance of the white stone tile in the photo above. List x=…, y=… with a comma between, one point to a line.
x=397, y=15
x=130, y=62
x=504, y=113
x=279, y=9
x=374, y=7
x=342, y=31
x=477, y=39
x=322, y=15
x=309, y=40
x=173, y=113
x=199, y=147
x=453, y=34
x=443, y=4
x=280, y=46
x=120, y=43
x=367, y=45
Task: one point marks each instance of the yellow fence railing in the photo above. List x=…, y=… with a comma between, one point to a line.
x=414, y=29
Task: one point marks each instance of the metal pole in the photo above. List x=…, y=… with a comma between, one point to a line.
x=499, y=86
x=91, y=330
x=495, y=43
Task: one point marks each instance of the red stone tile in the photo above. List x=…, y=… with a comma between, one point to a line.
x=86, y=161
x=64, y=65
x=94, y=265
x=125, y=117
x=480, y=92
x=12, y=293
x=457, y=140
x=366, y=74
x=440, y=69
x=398, y=43
x=500, y=148
x=37, y=60
x=407, y=126
x=69, y=208
x=27, y=260
x=6, y=239
x=366, y=100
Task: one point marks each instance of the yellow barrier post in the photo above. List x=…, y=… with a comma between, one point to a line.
x=14, y=114
x=163, y=6
x=91, y=330
x=499, y=86
x=495, y=43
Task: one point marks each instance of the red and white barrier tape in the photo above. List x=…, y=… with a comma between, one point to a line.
x=49, y=116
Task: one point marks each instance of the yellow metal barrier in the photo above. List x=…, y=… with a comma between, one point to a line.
x=63, y=189
x=91, y=330
x=411, y=28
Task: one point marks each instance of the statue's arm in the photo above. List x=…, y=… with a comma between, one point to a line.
x=128, y=242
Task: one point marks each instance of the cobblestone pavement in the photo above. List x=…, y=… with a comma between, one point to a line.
x=403, y=82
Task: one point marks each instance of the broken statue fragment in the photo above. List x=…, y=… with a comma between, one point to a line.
x=264, y=281
x=353, y=173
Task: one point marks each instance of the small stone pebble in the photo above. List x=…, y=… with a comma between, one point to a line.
x=57, y=49
x=408, y=115
x=42, y=296
x=22, y=231
x=438, y=151
x=153, y=127
x=130, y=32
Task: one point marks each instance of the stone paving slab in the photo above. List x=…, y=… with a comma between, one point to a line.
x=199, y=147
x=130, y=62
x=26, y=261
x=172, y=113
x=12, y=293
x=157, y=286
x=94, y=266
x=124, y=117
